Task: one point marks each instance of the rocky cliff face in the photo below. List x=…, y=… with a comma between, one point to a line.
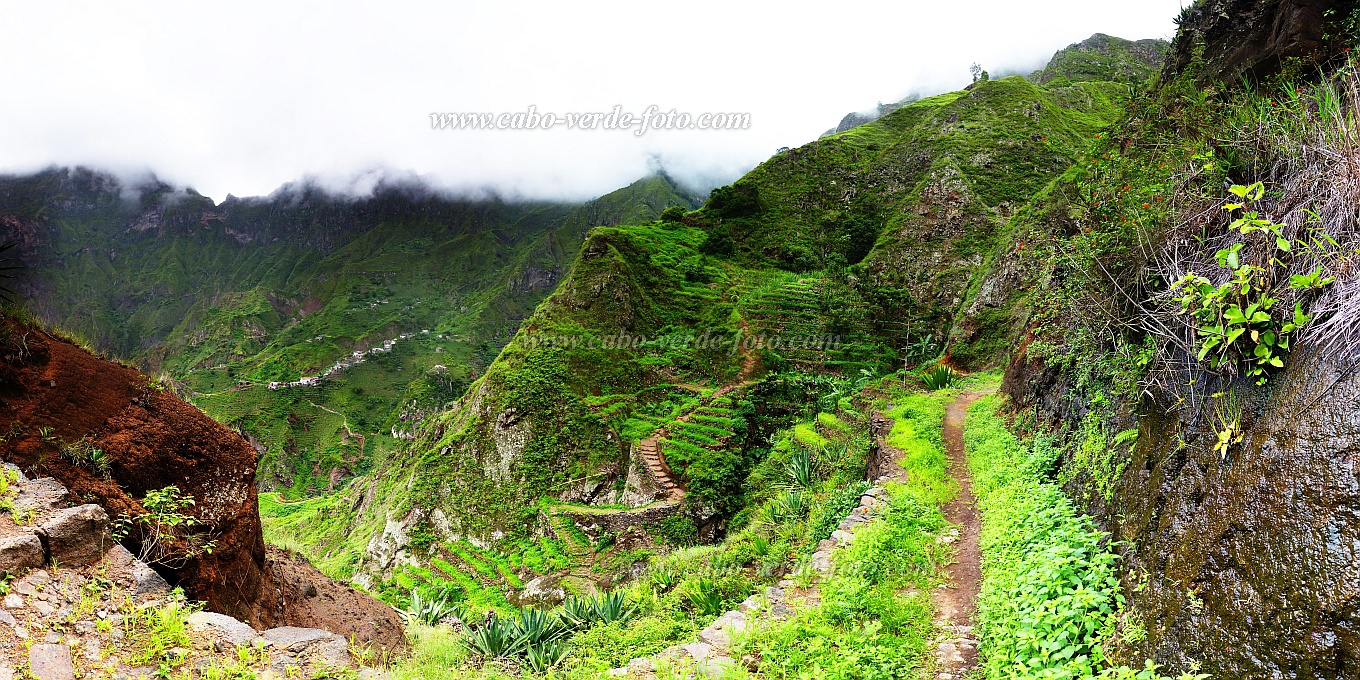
x=1236, y=500
x=1237, y=38
x=60, y=399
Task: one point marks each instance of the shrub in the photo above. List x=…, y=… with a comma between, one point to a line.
x=169, y=536
x=672, y=214
x=829, y=515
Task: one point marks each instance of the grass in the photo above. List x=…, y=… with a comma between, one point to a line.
x=1050, y=599
x=875, y=615
x=920, y=440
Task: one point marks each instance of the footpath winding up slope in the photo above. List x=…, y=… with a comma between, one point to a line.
x=954, y=605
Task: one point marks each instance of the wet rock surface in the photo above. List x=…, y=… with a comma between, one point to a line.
x=1253, y=37
x=1241, y=563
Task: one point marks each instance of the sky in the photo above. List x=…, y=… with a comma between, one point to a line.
x=243, y=97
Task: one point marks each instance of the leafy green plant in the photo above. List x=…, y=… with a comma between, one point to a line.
x=1235, y=321
x=939, y=377
x=169, y=535
x=84, y=454
x=704, y=597
x=840, y=503
x=801, y=472
x=1227, y=419
x=606, y=542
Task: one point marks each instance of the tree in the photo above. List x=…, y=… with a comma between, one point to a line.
x=672, y=214
x=976, y=71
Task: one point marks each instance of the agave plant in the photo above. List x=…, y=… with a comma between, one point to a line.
x=790, y=507
x=577, y=612
x=801, y=472
x=704, y=598
x=939, y=377
x=539, y=658
x=536, y=627
x=663, y=579
x=760, y=545
x=495, y=639
x=612, y=607
x=431, y=610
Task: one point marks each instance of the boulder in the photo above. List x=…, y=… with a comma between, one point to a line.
x=41, y=496
x=222, y=627
x=51, y=662
x=140, y=578
x=292, y=646
x=20, y=550
x=542, y=592
x=77, y=536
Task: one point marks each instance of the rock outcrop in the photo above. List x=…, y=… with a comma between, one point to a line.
x=85, y=602
x=62, y=399
x=1237, y=38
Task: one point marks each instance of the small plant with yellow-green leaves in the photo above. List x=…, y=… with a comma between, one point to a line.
x=1235, y=321
x=170, y=536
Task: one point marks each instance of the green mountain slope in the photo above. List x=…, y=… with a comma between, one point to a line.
x=226, y=299
x=812, y=272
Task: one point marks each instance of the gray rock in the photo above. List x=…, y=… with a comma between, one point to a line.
x=223, y=627
x=44, y=609
x=708, y=661
x=297, y=645
x=295, y=640
x=6, y=671
x=19, y=551
x=141, y=579
x=8, y=618
x=77, y=536
x=544, y=591
x=821, y=561
x=13, y=601
x=719, y=633
x=84, y=627
x=41, y=496
x=51, y=662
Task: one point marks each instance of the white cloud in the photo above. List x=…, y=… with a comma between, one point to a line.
x=244, y=96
